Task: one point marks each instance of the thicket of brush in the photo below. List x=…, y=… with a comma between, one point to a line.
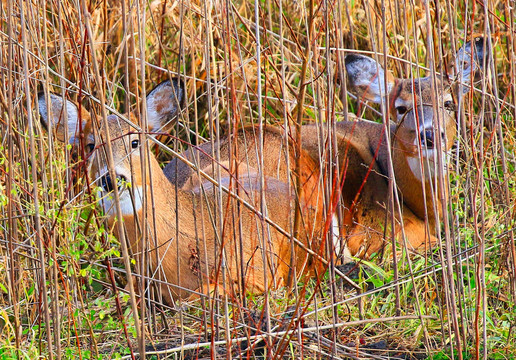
x=59, y=264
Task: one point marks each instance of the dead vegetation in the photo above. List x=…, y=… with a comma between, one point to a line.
x=280, y=63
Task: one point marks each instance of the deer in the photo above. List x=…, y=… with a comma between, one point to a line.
x=421, y=136
x=193, y=243
x=363, y=153
x=421, y=132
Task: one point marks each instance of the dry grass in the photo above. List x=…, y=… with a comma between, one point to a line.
x=57, y=294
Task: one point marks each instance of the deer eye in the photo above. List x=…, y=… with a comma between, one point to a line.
x=135, y=144
x=90, y=147
x=449, y=105
x=401, y=110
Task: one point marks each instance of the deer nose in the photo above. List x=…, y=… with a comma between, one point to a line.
x=107, y=183
x=427, y=138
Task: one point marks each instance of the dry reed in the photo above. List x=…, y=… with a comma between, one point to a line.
x=61, y=270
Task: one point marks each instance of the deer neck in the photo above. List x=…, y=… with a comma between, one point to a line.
x=148, y=203
x=151, y=229
x=415, y=178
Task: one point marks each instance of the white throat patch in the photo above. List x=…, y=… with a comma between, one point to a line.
x=429, y=162
x=127, y=205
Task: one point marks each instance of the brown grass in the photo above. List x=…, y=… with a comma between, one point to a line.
x=57, y=294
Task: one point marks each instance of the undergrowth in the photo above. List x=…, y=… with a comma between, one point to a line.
x=61, y=262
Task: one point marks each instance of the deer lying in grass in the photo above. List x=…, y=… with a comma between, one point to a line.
x=424, y=131
x=363, y=154
x=185, y=246
x=185, y=254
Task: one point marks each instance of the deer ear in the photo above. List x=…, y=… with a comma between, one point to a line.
x=164, y=103
x=52, y=116
x=367, y=78
x=470, y=60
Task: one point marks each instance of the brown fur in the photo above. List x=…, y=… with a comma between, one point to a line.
x=363, y=228
x=363, y=157
x=239, y=160
x=361, y=145
x=178, y=208
x=190, y=261
x=178, y=233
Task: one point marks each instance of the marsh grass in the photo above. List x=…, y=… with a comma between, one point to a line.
x=61, y=271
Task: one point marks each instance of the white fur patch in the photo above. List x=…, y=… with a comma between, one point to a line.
x=415, y=166
x=366, y=73
x=57, y=108
x=127, y=206
x=429, y=162
x=340, y=246
x=377, y=86
x=153, y=117
x=336, y=234
x=162, y=104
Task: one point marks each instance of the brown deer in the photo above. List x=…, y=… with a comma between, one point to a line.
x=363, y=154
x=423, y=134
x=192, y=244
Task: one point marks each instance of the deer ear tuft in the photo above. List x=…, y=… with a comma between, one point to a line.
x=471, y=58
x=164, y=103
x=52, y=116
x=367, y=78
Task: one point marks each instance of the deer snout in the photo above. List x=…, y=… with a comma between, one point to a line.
x=427, y=137
x=107, y=183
